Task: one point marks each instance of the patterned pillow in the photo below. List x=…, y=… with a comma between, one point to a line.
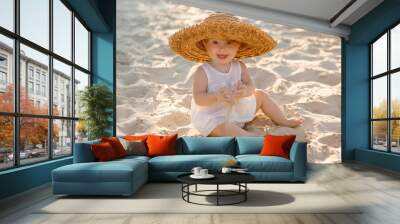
x=134, y=147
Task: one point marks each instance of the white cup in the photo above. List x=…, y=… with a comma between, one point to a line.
x=196, y=170
x=226, y=170
x=203, y=172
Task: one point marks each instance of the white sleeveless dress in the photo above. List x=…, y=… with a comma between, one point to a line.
x=207, y=118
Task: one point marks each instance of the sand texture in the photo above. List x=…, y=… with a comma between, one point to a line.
x=154, y=85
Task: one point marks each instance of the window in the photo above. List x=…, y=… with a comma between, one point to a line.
x=30, y=72
x=3, y=78
x=3, y=61
x=81, y=81
x=45, y=131
x=43, y=90
x=395, y=47
x=34, y=21
x=7, y=14
x=81, y=45
x=62, y=137
x=37, y=89
x=30, y=87
x=385, y=94
x=37, y=75
x=6, y=73
x=62, y=31
x=3, y=72
x=6, y=142
x=62, y=74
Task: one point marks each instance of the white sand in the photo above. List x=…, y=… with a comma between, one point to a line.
x=302, y=74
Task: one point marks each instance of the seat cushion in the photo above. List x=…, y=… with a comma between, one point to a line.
x=111, y=171
x=185, y=163
x=257, y=163
x=190, y=145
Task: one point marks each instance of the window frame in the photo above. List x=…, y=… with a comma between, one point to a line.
x=15, y=72
x=388, y=74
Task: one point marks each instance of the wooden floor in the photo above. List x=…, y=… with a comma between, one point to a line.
x=377, y=188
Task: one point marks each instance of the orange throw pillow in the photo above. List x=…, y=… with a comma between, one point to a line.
x=116, y=145
x=103, y=151
x=135, y=137
x=159, y=145
x=275, y=145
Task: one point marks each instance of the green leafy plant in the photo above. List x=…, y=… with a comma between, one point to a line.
x=96, y=102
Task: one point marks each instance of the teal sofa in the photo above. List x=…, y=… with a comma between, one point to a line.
x=125, y=176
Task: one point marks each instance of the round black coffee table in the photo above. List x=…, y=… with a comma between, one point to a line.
x=238, y=179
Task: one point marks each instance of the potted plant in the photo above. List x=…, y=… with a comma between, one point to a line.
x=96, y=102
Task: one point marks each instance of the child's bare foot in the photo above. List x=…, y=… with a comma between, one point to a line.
x=293, y=122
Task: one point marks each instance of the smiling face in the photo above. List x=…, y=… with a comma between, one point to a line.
x=221, y=51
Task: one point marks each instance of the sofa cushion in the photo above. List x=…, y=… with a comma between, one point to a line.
x=160, y=145
x=111, y=171
x=134, y=147
x=249, y=145
x=185, y=163
x=135, y=137
x=277, y=145
x=190, y=145
x=133, y=158
x=257, y=163
x=103, y=152
x=116, y=145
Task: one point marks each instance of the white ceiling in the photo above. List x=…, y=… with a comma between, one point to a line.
x=315, y=15
x=320, y=9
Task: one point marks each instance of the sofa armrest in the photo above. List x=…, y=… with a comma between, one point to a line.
x=298, y=155
x=83, y=152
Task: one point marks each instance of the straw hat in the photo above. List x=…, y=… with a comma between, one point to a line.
x=187, y=42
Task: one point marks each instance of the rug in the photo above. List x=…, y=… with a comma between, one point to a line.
x=166, y=198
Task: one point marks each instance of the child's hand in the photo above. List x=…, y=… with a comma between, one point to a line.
x=240, y=90
x=226, y=95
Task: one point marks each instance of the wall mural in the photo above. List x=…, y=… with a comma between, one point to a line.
x=154, y=84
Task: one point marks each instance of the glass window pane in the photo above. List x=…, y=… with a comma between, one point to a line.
x=379, y=97
x=35, y=21
x=6, y=142
x=34, y=75
x=7, y=14
x=379, y=135
x=395, y=94
x=81, y=81
x=62, y=141
x=81, y=45
x=395, y=47
x=6, y=74
x=62, y=29
x=81, y=131
x=395, y=136
x=379, y=55
x=33, y=139
x=62, y=89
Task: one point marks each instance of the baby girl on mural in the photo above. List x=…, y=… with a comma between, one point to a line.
x=224, y=96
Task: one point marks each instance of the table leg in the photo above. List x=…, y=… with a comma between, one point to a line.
x=217, y=194
x=245, y=193
x=182, y=189
x=188, y=189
